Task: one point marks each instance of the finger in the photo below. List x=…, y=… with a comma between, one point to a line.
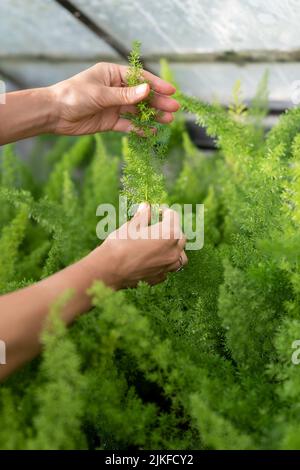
x=122, y=96
x=128, y=109
x=184, y=258
x=123, y=125
x=165, y=118
x=182, y=242
x=164, y=103
x=157, y=279
x=181, y=262
x=174, y=267
x=157, y=84
x=171, y=225
x=155, y=231
x=142, y=217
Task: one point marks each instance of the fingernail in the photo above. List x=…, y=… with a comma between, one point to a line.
x=141, y=89
x=143, y=206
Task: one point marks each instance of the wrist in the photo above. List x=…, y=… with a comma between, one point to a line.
x=63, y=100
x=99, y=265
x=43, y=108
x=53, y=101
x=103, y=264
x=27, y=113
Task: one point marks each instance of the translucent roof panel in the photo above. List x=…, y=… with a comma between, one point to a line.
x=215, y=81
x=180, y=26
x=5, y=86
x=43, y=27
x=41, y=42
x=210, y=82
x=36, y=74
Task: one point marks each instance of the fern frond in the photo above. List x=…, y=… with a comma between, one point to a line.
x=11, y=238
x=147, y=144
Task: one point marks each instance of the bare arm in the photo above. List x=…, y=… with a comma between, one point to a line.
x=26, y=113
x=142, y=252
x=23, y=313
x=90, y=102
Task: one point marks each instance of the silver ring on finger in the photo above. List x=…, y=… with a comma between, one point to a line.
x=180, y=268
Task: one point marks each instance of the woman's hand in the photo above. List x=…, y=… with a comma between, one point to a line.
x=94, y=100
x=136, y=252
x=141, y=252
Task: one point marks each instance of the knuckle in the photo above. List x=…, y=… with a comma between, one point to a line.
x=168, y=211
x=125, y=95
x=173, y=257
x=177, y=234
x=185, y=259
x=171, y=232
x=182, y=240
x=100, y=66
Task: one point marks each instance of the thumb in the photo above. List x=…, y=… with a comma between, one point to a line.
x=142, y=217
x=120, y=96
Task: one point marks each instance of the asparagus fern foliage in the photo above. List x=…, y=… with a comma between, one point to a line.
x=202, y=361
x=146, y=146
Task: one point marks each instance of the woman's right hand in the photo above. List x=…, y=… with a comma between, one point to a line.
x=138, y=251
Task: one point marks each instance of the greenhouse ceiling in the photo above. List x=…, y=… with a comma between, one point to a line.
x=209, y=43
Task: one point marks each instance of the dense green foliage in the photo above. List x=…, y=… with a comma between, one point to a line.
x=202, y=361
x=146, y=147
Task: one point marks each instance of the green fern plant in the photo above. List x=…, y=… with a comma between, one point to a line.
x=202, y=361
x=142, y=180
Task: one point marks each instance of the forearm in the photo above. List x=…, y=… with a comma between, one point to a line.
x=23, y=313
x=25, y=114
